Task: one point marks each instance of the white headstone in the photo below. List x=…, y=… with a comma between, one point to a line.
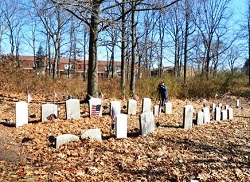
x=238, y=103
x=65, y=138
x=146, y=105
x=188, y=116
x=92, y=134
x=217, y=115
x=213, y=107
x=230, y=113
x=115, y=106
x=220, y=105
x=224, y=115
x=21, y=113
x=147, y=123
x=48, y=109
x=206, y=114
x=157, y=110
x=226, y=107
x=95, y=107
x=168, y=108
x=132, y=106
x=73, y=109
x=121, y=121
x=199, y=118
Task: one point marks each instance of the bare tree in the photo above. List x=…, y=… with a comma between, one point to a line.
x=210, y=17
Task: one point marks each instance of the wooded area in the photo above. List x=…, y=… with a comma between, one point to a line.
x=144, y=34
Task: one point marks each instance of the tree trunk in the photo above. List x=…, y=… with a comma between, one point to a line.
x=93, y=61
x=123, y=52
x=132, y=78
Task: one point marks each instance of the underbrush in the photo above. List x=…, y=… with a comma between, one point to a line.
x=16, y=80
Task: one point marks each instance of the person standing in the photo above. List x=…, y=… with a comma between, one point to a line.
x=163, y=93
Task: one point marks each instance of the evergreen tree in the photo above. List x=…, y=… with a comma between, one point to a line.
x=40, y=56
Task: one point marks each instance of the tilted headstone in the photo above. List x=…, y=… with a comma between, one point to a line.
x=73, y=109
x=157, y=110
x=115, y=106
x=206, y=114
x=146, y=105
x=217, y=114
x=168, y=108
x=63, y=139
x=47, y=110
x=132, y=106
x=92, y=134
x=95, y=107
x=188, y=116
x=230, y=113
x=199, y=118
x=224, y=115
x=121, y=121
x=21, y=113
x=147, y=124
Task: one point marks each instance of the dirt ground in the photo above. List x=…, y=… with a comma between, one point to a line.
x=215, y=151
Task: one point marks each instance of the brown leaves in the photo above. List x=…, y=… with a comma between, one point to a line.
x=211, y=152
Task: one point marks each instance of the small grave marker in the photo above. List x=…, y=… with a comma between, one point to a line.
x=73, y=109
x=132, y=106
x=115, y=106
x=21, y=113
x=147, y=123
x=206, y=114
x=217, y=114
x=230, y=113
x=47, y=110
x=92, y=134
x=188, y=116
x=168, y=108
x=95, y=107
x=199, y=118
x=146, y=105
x=121, y=125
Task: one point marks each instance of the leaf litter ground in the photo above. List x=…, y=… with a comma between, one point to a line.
x=216, y=151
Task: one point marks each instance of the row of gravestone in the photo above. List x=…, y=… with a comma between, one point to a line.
x=49, y=111
x=219, y=113
x=147, y=124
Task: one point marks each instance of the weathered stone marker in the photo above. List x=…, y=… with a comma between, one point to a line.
x=92, y=134
x=146, y=105
x=47, y=110
x=132, y=106
x=168, y=108
x=62, y=139
x=21, y=113
x=199, y=118
x=188, y=116
x=73, y=109
x=121, y=121
x=147, y=123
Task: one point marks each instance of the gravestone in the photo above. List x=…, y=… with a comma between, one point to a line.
x=95, y=107
x=92, y=134
x=220, y=105
x=63, y=139
x=73, y=109
x=226, y=107
x=188, y=116
x=217, y=115
x=230, y=113
x=157, y=110
x=206, y=114
x=21, y=113
x=115, y=108
x=147, y=124
x=213, y=107
x=121, y=121
x=146, y=105
x=168, y=108
x=132, y=106
x=237, y=103
x=224, y=115
x=199, y=118
x=47, y=110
